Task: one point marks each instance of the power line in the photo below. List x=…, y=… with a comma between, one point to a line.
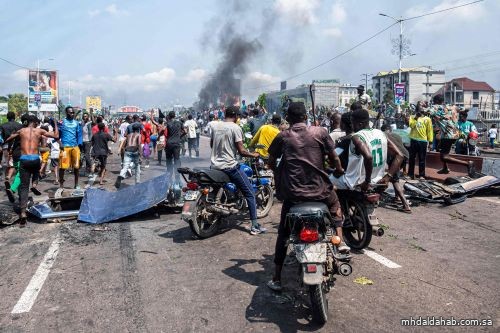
x=472, y=65
x=442, y=10
x=329, y=60
x=487, y=54
x=363, y=42
x=13, y=64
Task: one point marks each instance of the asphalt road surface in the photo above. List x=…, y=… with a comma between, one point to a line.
x=147, y=274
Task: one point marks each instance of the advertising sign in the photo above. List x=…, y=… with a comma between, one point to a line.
x=93, y=102
x=42, y=90
x=399, y=93
x=4, y=108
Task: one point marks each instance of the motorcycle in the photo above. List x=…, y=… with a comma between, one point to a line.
x=315, y=246
x=210, y=197
x=360, y=221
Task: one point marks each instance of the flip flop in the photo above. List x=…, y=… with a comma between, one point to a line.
x=35, y=191
x=407, y=211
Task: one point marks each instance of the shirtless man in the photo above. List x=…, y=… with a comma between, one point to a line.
x=133, y=152
x=29, y=167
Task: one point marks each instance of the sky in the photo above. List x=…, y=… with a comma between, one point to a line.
x=156, y=53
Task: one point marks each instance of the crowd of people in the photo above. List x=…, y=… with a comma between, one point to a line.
x=33, y=148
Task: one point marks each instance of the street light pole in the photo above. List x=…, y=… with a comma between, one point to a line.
x=400, y=47
x=400, y=21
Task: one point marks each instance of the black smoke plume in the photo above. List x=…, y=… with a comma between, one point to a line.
x=224, y=85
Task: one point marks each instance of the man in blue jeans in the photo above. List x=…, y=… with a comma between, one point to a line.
x=226, y=141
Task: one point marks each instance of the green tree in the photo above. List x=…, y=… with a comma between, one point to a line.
x=4, y=99
x=262, y=99
x=369, y=92
x=18, y=103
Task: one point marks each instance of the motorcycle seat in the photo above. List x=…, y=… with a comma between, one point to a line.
x=310, y=208
x=207, y=175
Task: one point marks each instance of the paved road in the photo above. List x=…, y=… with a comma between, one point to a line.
x=147, y=274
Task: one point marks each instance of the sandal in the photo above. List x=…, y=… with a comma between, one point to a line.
x=443, y=171
x=35, y=191
x=404, y=210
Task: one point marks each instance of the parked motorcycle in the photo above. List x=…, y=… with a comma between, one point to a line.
x=315, y=246
x=210, y=197
x=360, y=221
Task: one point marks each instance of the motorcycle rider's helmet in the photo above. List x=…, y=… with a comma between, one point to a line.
x=247, y=170
x=473, y=137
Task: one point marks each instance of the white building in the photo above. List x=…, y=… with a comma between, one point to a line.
x=421, y=83
x=468, y=93
x=346, y=93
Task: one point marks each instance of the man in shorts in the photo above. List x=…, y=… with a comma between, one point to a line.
x=100, y=149
x=71, y=137
x=446, y=121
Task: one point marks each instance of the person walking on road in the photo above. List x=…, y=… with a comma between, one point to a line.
x=71, y=138
x=421, y=135
x=492, y=135
x=190, y=126
x=86, y=137
x=6, y=130
x=133, y=153
x=100, y=149
x=175, y=132
x=29, y=160
x=226, y=142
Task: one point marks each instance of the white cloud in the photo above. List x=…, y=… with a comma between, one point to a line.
x=94, y=12
x=333, y=32
x=446, y=20
x=338, y=13
x=298, y=11
x=132, y=83
x=195, y=75
x=110, y=9
x=20, y=75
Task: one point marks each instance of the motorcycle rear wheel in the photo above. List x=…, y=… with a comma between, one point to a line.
x=359, y=235
x=202, y=226
x=319, y=303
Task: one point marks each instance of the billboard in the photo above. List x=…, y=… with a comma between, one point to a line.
x=42, y=90
x=399, y=93
x=93, y=102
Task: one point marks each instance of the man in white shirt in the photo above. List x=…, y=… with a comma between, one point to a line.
x=367, y=156
x=123, y=133
x=190, y=127
x=363, y=98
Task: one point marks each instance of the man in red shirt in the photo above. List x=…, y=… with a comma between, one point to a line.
x=146, y=139
x=95, y=129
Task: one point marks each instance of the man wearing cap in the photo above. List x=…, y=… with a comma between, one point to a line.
x=265, y=136
x=363, y=97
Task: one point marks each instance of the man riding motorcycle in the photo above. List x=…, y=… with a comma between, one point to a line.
x=227, y=140
x=367, y=155
x=465, y=127
x=300, y=176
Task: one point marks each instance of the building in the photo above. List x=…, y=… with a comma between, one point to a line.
x=468, y=93
x=421, y=83
x=325, y=93
x=346, y=93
